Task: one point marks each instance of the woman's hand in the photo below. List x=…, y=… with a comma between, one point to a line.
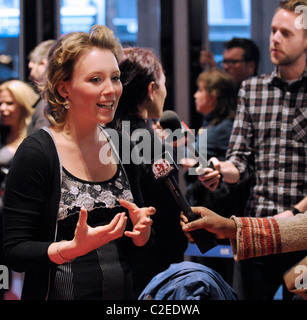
x=141, y=221
x=86, y=238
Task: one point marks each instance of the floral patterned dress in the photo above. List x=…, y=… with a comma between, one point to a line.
x=103, y=273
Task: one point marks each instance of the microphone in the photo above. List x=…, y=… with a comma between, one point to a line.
x=170, y=120
x=163, y=169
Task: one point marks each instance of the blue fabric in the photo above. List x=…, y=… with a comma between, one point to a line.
x=188, y=281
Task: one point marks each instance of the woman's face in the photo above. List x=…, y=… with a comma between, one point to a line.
x=10, y=111
x=95, y=87
x=204, y=101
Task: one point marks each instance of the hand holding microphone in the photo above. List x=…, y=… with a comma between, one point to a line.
x=209, y=173
x=211, y=176
x=183, y=137
x=163, y=169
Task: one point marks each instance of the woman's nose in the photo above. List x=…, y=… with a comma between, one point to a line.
x=109, y=87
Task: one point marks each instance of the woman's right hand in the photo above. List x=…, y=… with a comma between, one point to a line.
x=86, y=238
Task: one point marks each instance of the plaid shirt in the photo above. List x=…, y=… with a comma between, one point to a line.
x=270, y=138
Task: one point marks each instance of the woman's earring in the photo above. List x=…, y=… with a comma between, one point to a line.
x=66, y=104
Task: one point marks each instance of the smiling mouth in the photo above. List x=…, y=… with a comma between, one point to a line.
x=106, y=106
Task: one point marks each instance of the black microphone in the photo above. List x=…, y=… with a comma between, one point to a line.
x=170, y=120
x=163, y=169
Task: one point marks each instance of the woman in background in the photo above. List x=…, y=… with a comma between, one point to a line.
x=16, y=107
x=215, y=100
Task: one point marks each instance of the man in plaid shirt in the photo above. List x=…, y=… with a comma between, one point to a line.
x=270, y=139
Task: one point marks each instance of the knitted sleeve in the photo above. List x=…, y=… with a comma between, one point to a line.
x=264, y=236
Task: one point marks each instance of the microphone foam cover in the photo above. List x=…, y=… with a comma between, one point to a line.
x=170, y=120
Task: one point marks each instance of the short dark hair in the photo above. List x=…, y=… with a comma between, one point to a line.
x=251, y=51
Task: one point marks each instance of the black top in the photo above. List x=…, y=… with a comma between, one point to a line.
x=170, y=241
x=31, y=206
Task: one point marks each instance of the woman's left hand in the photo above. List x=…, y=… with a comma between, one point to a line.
x=141, y=221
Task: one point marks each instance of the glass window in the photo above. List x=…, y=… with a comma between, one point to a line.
x=118, y=15
x=227, y=19
x=9, y=39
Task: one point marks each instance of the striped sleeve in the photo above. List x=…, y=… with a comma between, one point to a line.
x=256, y=237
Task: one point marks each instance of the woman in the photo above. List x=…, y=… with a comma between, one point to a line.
x=64, y=220
x=215, y=100
x=16, y=106
x=143, y=98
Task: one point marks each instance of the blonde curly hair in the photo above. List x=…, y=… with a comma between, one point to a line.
x=61, y=60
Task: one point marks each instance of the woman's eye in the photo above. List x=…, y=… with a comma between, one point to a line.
x=116, y=78
x=95, y=80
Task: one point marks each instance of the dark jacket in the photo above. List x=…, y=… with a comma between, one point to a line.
x=170, y=241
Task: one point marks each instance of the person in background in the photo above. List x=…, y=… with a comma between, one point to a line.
x=216, y=101
x=269, y=139
x=65, y=219
x=37, y=66
x=16, y=107
x=143, y=98
x=241, y=58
